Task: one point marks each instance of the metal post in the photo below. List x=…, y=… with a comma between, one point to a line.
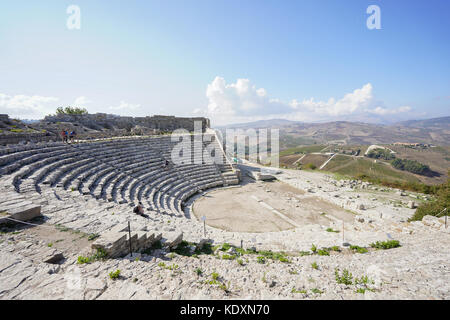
x=129, y=233
x=204, y=228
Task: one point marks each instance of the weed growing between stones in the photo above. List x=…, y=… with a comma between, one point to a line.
x=100, y=254
x=298, y=291
x=331, y=230
x=114, y=275
x=323, y=252
x=317, y=291
x=261, y=260
x=199, y=271
x=314, y=265
x=93, y=236
x=386, y=244
x=345, y=278
x=359, y=249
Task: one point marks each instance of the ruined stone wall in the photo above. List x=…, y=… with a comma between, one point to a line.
x=163, y=123
x=25, y=137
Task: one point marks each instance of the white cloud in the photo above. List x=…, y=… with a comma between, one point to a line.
x=27, y=107
x=125, y=108
x=383, y=111
x=242, y=101
x=81, y=102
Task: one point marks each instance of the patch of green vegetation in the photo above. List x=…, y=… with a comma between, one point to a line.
x=71, y=110
x=436, y=206
x=93, y=236
x=358, y=249
x=115, y=275
x=304, y=253
x=99, y=254
x=261, y=259
x=314, y=248
x=199, y=271
x=411, y=166
x=225, y=247
x=317, y=291
x=228, y=257
x=345, y=278
x=315, y=266
x=335, y=248
x=298, y=291
x=215, y=276
x=323, y=252
x=302, y=150
x=240, y=262
x=16, y=130
x=183, y=249
x=331, y=230
x=385, y=244
x=381, y=153
x=50, y=245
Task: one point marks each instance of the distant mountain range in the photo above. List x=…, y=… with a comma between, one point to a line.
x=292, y=133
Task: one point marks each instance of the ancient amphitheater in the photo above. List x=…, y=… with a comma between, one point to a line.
x=284, y=239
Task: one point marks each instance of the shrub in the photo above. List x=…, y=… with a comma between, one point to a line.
x=310, y=166
x=411, y=166
x=436, y=206
x=70, y=110
x=380, y=153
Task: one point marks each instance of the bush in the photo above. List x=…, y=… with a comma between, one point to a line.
x=380, y=153
x=411, y=166
x=70, y=110
x=435, y=207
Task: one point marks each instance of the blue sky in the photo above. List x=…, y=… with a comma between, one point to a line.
x=232, y=61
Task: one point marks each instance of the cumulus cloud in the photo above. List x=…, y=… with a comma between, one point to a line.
x=242, y=101
x=30, y=107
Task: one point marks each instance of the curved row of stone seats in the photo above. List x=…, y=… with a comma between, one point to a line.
x=39, y=170
x=122, y=171
x=12, y=162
